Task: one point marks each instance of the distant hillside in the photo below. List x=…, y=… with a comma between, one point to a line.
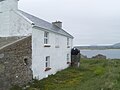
x=115, y=46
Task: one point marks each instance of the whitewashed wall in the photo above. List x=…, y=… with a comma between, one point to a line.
x=19, y=25
x=4, y=23
x=58, y=56
x=12, y=22
x=8, y=5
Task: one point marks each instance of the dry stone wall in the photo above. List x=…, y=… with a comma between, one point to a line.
x=15, y=64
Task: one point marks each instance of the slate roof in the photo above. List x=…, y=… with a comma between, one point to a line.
x=44, y=24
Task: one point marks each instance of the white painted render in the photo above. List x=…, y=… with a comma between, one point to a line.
x=5, y=10
x=8, y=5
x=4, y=24
x=12, y=23
x=58, y=56
x=19, y=25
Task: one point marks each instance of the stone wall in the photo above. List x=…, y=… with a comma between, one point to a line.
x=75, y=60
x=15, y=64
x=99, y=56
x=6, y=40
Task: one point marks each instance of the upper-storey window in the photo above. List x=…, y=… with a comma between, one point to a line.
x=46, y=37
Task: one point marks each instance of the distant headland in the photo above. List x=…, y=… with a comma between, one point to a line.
x=114, y=46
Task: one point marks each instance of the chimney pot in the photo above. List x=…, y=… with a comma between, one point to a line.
x=58, y=24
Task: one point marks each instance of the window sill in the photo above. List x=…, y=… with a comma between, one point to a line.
x=47, y=69
x=68, y=63
x=47, y=45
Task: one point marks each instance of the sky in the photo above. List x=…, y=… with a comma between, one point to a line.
x=91, y=22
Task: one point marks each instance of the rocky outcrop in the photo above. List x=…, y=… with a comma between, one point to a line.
x=99, y=56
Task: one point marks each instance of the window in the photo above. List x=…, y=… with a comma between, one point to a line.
x=68, y=58
x=47, y=63
x=46, y=35
x=68, y=42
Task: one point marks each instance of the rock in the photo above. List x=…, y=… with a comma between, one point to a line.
x=99, y=56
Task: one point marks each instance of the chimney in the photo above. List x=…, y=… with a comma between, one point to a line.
x=58, y=24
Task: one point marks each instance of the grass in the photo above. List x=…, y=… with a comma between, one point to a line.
x=91, y=75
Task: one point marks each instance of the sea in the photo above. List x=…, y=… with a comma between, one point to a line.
x=109, y=53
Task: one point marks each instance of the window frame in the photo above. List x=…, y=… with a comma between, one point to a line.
x=68, y=58
x=47, y=63
x=46, y=37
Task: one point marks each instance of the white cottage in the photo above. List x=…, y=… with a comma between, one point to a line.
x=51, y=45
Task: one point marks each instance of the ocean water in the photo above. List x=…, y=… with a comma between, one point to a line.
x=110, y=53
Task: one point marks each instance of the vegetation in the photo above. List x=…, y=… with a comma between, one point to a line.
x=92, y=75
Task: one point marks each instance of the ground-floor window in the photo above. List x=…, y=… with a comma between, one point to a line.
x=47, y=63
x=68, y=58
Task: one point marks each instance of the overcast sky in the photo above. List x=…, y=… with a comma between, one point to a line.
x=91, y=22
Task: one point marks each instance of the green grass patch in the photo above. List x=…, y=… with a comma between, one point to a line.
x=91, y=75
